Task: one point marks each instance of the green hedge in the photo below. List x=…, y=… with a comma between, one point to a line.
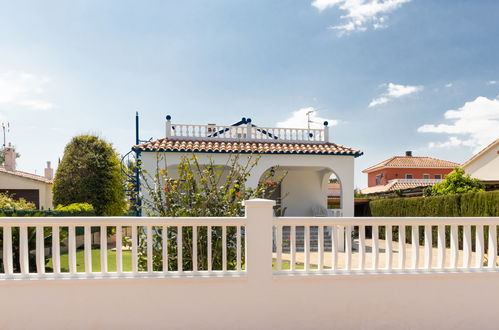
x=478, y=204
x=44, y=213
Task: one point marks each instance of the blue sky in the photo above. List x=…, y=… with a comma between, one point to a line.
x=386, y=72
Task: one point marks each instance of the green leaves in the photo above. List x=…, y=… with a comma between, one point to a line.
x=456, y=182
x=90, y=173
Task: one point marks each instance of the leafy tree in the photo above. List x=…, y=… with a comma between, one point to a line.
x=456, y=182
x=7, y=202
x=90, y=173
x=199, y=190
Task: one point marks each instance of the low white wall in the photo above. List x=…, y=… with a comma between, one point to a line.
x=457, y=301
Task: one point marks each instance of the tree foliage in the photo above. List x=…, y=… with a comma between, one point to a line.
x=8, y=202
x=90, y=173
x=456, y=182
x=200, y=190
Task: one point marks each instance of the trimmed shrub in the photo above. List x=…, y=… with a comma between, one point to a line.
x=76, y=208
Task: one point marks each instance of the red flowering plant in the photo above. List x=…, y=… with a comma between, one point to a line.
x=201, y=189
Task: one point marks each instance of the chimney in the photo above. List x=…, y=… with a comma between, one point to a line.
x=408, y=153
x=10, y=158
x=49, y=172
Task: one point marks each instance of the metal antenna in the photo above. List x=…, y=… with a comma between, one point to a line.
x=8, y=130
x=308, y=118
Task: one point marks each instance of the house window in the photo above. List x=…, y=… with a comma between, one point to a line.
x=438, y=176
x=409, y=176
x=378, y=179
x=426, y=176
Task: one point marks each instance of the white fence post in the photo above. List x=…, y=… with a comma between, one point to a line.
x=259, y=216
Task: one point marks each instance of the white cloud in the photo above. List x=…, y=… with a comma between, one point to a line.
x=23, y=90
x=394, y=91
x=475, y=125
x=491, y=82
x=449, y=85
x=299, y=119
x=360, y=14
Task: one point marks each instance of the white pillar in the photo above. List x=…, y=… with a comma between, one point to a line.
x=259, y=215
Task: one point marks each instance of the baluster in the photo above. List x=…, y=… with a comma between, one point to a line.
x=135, y=266
x=320, y=247
x=348, y=247
x=238, y=248
x=388, y=247
x=7, y=250
x=210, y=267
x=307, y=248
x=194, y=248
x=375, y=251
x=180, y=249
x=87, y=238
x=334, y=247
x=56, y=250
x=441, y=246
x=279, y=247
x=224, y=248
x=479, y=246
x=466, y=246
x=401, y=246
x=427, y=246
x=103, y=249
x=362, y=246
x=40, y=250
x=24, y=250
x=492, y=253
x=72, y=249
x=415, y=246
x=293, y=248
x=454, y=247
x=164, y=234
x=119, y=249
x=149, y=249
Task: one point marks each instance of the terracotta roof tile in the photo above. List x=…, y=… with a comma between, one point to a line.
x=26, y=175
x=393, y=186
x=411, y=161
x=165, y=144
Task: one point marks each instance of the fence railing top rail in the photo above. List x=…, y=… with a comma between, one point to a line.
x=380, y=221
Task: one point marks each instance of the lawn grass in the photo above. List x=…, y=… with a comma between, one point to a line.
x=80, y=261
x=127, y=262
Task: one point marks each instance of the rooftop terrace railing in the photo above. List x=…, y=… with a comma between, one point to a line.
x=247, y=132
x=257, y=246
x=416, y=181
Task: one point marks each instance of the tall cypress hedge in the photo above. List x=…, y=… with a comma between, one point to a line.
x=478, y=204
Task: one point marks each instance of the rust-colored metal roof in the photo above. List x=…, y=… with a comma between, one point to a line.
x=412, y=162
x=26, y=175
x=213, y=146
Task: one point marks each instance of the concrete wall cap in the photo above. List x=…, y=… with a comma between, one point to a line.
x=259, y=202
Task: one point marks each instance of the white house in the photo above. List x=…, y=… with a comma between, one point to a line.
x=305, y=154
x=485, y=165
x=34, y=188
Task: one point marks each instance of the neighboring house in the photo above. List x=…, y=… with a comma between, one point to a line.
x=485, y=166
x=34, y=188
x=305, y=154
x=407, y=174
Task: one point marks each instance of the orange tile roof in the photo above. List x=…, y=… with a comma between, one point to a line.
x=165, y=144
x=26, y=175
x=412, y=162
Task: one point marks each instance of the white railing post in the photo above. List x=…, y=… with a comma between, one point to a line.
x=259, y=217
x=168, y=126
x=326, y=132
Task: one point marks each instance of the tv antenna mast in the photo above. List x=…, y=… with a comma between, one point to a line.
x=5, y=127
x=309, y=120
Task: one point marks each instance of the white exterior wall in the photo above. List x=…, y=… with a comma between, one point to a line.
x=486, y=166
x=305, y=188
x=439, y=301
x=8, y=181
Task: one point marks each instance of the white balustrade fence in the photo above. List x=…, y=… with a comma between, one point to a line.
x=156, y=247
x=246, y=133
x=385, y=245
x=258, y=245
